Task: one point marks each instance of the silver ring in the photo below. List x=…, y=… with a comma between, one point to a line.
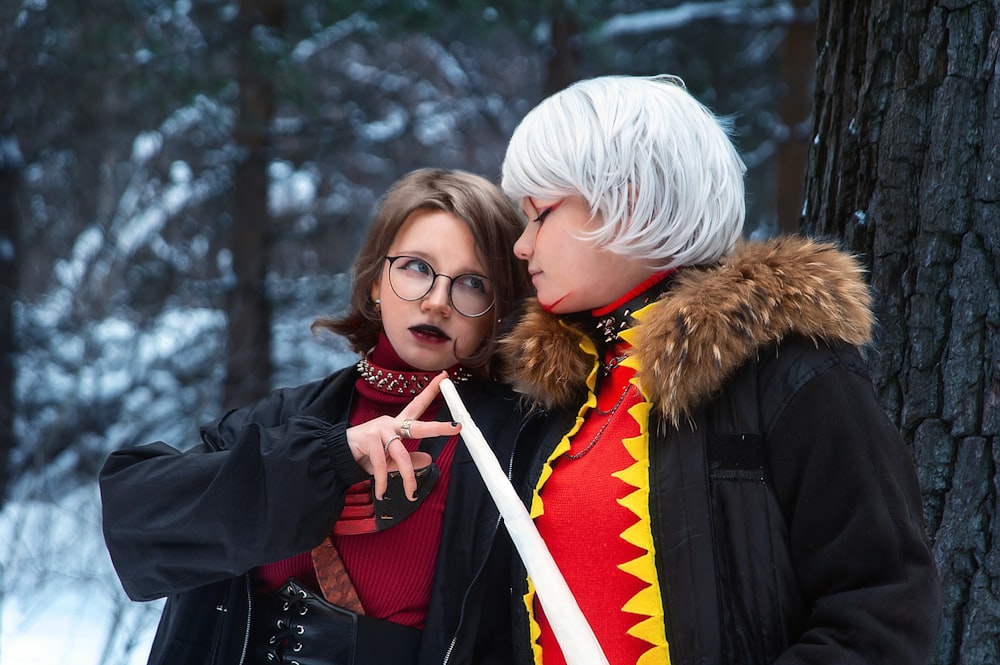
x=404, y=429
x=385, y=444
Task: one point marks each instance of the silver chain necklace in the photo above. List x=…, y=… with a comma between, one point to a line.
x=611, y=416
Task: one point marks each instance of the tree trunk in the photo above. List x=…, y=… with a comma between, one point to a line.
x=248, y=363
x=906, y=170
x=561, y=69
x=10, y=170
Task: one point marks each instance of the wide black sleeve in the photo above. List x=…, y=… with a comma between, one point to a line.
x=848, y=489
x=263, y=485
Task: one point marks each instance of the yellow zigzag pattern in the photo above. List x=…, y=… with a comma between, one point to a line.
x=647, y=602
x=537, y=508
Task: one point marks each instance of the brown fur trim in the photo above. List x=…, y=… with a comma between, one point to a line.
x=713, y=319
x=716, y=318
x=544, y=359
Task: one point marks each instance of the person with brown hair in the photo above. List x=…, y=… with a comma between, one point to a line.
x=340, y=522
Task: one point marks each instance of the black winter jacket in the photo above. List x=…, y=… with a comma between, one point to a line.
x=784, y=506
x=267, y=482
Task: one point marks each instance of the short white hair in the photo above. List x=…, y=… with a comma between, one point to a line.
x=657, y=168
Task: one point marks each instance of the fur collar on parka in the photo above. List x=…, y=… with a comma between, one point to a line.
x=711, y=320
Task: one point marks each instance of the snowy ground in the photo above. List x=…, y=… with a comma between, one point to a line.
x=60, y=602
x=71, y=629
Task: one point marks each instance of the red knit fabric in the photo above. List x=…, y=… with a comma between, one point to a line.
x=392, y=570
x=582, y=523
x=271, y=576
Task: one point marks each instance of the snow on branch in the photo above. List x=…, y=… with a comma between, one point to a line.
x=684, y=15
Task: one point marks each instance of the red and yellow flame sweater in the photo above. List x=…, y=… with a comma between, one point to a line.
x=591, y=508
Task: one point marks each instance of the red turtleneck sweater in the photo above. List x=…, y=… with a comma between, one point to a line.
x=393, y=569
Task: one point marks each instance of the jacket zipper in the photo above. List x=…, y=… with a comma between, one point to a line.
x=465, y=598
x=246, y=633
x=496, y=527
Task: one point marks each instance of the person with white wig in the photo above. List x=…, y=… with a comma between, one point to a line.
x=715, y=477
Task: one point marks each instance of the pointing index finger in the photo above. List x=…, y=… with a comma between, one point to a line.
x=420, y=429
x=419, y=404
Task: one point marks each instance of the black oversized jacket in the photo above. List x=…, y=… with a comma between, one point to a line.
x=268, y=482
x=784, y=506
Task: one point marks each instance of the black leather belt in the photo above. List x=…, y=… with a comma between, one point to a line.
x=296, y=626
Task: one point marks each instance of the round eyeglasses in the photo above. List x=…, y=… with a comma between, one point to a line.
x=412, y=278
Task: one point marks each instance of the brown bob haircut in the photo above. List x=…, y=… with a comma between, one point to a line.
x=495, y=224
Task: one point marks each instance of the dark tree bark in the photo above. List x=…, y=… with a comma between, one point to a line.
x=906, y=171
x=10, y=170
x=248, y=363
x=561, y=69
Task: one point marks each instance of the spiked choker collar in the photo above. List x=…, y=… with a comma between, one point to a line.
x=604, y=324
x=403, y=382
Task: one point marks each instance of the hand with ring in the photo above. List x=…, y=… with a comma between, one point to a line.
x=385, y=444
x=377, y=445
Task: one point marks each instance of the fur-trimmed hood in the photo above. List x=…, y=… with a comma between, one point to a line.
x=711, y=320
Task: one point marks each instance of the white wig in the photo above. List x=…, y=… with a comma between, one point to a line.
x=657, y=168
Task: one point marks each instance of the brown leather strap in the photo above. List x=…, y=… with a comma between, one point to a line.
x=333, y=578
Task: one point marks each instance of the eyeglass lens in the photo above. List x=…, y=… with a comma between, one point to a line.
x=412, y=278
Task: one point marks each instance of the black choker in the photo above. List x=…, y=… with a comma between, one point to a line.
x=403, y=383
x=608, y=326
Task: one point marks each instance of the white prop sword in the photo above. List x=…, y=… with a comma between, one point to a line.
x=575, y=637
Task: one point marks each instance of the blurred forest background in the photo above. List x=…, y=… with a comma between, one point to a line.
x=184, y=184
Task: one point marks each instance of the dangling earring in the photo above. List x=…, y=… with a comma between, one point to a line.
x=378, y=305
